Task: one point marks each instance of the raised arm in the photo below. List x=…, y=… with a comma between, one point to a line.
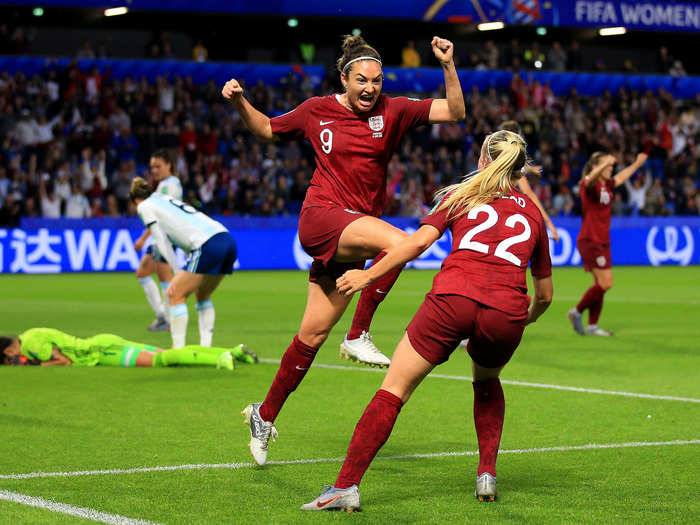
x=524, y=186
x=257, y=122
x=408, y=249
x=624, y=174
x=450, y=109
x=596, y=172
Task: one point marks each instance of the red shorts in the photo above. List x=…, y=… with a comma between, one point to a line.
x=594, y=255
x=442, y=321
x=320, y=228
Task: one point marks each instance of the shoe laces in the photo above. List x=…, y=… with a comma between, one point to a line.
x=366, y=340
x=269, y=432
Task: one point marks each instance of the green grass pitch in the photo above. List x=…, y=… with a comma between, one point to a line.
x=72, y=419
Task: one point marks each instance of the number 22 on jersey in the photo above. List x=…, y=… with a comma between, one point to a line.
x=492, y=219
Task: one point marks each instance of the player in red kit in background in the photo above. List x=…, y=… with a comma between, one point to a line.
x=596, y=190
x=479, y=293
x=353, y=135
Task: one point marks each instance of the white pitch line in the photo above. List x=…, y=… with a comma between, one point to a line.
x=64, y=508
x=237, y=466
x=510, y=382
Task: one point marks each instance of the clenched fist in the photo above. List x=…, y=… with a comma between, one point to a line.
x=232, y=90
x=443, y=49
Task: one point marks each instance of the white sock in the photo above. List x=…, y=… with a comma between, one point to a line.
x=178, y=324
x=207, y=315
x=166, y=300
x=152, y=296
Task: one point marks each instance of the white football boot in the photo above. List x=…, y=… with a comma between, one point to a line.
x=594, y=329
x=486, y=488
x=363, y=350
x=576, y=320
x=260, y=432
x=336, y=499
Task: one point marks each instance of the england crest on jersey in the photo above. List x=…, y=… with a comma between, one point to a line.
x=376, y=123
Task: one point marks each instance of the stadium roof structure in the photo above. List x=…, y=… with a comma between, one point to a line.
x=655, y=15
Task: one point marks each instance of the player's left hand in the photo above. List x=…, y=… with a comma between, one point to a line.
x=535, y=169
x=352, y=281
x=555, y=233
x=442, y=49
x=170, y=291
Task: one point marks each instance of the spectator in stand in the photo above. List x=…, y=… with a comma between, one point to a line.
x=563, y=202
x=199, y=52
x=575, y=60
x=637, y=193
x=556, y=58
x=10, y=212
x=664, y=61
x=50, y=203
x=77, y=205
x=409, y=55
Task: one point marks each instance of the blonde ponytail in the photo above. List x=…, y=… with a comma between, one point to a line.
x=140, y=189
x=506, y=152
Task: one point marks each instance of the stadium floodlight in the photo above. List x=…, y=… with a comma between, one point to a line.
x=541, y=31
x=538, y=64
x=292, y=22
x=357, y=31
x=116, y=11
x=38, y=11
x=609, y=31
x=490, y=26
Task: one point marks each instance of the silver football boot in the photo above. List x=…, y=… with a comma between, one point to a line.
x=486, y=488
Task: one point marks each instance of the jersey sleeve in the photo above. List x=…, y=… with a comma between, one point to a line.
x=437, y=219
x=292, y=125
x=146, y=213
x=411, y=112
x=34, y=346
x=540, y=261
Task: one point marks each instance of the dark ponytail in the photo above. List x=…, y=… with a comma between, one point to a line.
x=354, y=46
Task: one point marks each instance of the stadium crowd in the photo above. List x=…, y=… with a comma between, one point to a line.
x=72, y=141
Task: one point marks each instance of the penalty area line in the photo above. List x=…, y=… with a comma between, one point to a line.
x=511, y=382
x=72, y=510
x=236, y=466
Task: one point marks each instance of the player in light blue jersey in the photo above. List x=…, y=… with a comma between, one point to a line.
x=211, y=253
x=161, y=165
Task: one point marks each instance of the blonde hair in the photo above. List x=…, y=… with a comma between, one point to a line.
x=354, y=47
x=506, y=152
x=593, y=162
x=140, y=189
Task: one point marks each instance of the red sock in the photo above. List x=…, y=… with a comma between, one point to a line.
x=371, y=432
x=592, y=296
x=295, y=363
x=370, y=299
x=489, y=409
x=595, y=309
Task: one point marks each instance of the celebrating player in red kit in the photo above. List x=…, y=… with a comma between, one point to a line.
x=354, y=135
x=480, y=293
x=597, y=185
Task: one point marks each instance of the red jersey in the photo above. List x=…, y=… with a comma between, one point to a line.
x=596, y=206
x=352, y=151
x=491, y=248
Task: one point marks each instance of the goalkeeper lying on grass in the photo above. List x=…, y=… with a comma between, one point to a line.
x=46, y=346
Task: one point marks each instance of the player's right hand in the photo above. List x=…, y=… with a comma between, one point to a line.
x=232, y=90
x=138, y=245
x=352, y=281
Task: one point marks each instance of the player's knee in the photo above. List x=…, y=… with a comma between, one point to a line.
x=606, y=284
x=313, y=338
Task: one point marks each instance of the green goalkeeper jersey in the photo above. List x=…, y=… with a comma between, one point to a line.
x=37, y=343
